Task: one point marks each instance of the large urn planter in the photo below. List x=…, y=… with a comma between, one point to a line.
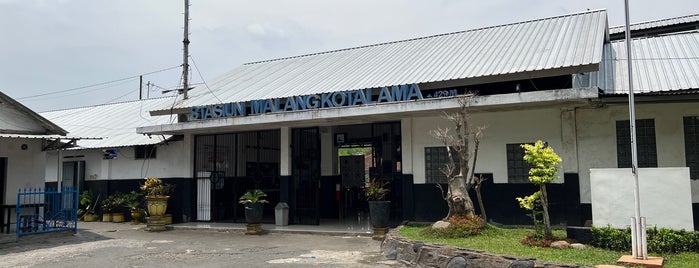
x=253, y=213
x=156, y=209
x=156, y=205
x=379, y=213
x=379, y=209
x=254, y=204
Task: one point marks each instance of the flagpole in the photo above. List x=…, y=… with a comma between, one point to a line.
x=638, y=236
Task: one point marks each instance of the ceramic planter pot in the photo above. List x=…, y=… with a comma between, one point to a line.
x=118, y=217
x=253, y=212
x=379, y=213
x=157, y=205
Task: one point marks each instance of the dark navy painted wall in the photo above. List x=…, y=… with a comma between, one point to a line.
x=500, y=203
x=182, y=203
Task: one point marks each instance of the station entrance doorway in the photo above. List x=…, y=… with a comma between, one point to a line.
x=327, y=182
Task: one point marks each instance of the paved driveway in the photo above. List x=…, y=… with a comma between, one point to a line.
x=126, y=245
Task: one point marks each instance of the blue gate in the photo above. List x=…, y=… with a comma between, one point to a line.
x=48, y=210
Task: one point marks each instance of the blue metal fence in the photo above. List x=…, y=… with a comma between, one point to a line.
x=47, y=210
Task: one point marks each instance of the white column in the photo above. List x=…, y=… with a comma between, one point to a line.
x=328, y=157
x=569, y=140
x=285, y=151
x=406, y=145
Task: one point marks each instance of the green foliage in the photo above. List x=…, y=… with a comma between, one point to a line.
x=507, y=241
x=660, y=240
x=112, y=202
x=460, y=227
x=87, y=203
x=544, y=162
x=252, y=197
x=156, y=187
x=532, y=203
x=134, y=200
x=375, y=190
x=611, y=238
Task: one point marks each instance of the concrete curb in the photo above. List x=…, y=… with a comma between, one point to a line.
x=289, y=231
x=420, y=254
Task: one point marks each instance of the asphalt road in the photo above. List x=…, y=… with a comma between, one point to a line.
x=125, y=245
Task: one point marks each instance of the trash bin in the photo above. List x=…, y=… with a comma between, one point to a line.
x=281, y=214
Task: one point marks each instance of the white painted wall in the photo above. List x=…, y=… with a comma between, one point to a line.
x=172, y=160
x=664, y=193
x=25, y=168
x=503, y=128
x=596, y=128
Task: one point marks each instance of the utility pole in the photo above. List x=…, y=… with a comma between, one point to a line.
x=185, y=54
x=148, y=92
x=140, y=87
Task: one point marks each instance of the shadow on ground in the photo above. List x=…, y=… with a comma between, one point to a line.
x=10, y=244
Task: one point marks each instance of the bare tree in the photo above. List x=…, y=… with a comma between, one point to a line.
x=461, y=178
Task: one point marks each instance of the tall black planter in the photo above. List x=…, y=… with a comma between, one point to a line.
x=253, y=212
x=379, y=212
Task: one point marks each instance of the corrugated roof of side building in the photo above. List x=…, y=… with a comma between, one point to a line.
x=573, y=40
x=47, y=127
x=661, y=63
x=655, y=24
x=115, y=123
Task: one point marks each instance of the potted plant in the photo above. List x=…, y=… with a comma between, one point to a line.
x=253, y=202
x=157, y=193
x=110, y=208
x=379, y=209
x=87, y=206
x=133, y=201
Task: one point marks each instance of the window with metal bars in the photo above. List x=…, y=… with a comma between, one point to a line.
x=145, y=151
x=645, y=143
x=691, y=145
x=517, y=167
x=435, y=159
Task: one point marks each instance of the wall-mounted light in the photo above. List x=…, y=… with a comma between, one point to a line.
x=24, y=147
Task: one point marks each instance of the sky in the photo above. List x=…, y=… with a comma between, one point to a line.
x=58, y=54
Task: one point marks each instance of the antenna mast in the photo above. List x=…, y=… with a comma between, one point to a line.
x=185, y=54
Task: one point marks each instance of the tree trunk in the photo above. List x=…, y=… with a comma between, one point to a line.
x=545, y=207
x=480, y=200
x=460, y=203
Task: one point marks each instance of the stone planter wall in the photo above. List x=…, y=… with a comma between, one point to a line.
x=420, y=254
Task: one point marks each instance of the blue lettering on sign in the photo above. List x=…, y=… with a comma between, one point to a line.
x=290, y=105
x=384, y=95
x=312, y=101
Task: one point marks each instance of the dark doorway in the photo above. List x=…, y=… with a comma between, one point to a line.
x=305, y=169
x=3, y=178
x=73, y=175
x=228, y=165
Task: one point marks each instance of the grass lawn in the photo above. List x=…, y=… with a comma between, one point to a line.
x=506, y=241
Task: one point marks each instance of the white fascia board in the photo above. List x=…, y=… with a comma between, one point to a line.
x=293, y=118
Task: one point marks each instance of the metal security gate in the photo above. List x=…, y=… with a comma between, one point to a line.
x=48, y=210
x=306, y=175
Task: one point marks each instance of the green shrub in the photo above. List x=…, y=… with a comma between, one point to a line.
x=660, y=240
x=460, y=227
x=611, y=238
x=669, y=241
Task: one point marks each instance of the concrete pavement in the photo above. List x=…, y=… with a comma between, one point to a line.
x=99, y=244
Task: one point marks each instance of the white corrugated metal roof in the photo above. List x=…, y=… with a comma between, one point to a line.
x=564, y=41
x=662, y=63
x=17, y=111
x=655, y=23
x=115, y=123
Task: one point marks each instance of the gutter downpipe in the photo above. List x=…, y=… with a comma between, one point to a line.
x=638, y=235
